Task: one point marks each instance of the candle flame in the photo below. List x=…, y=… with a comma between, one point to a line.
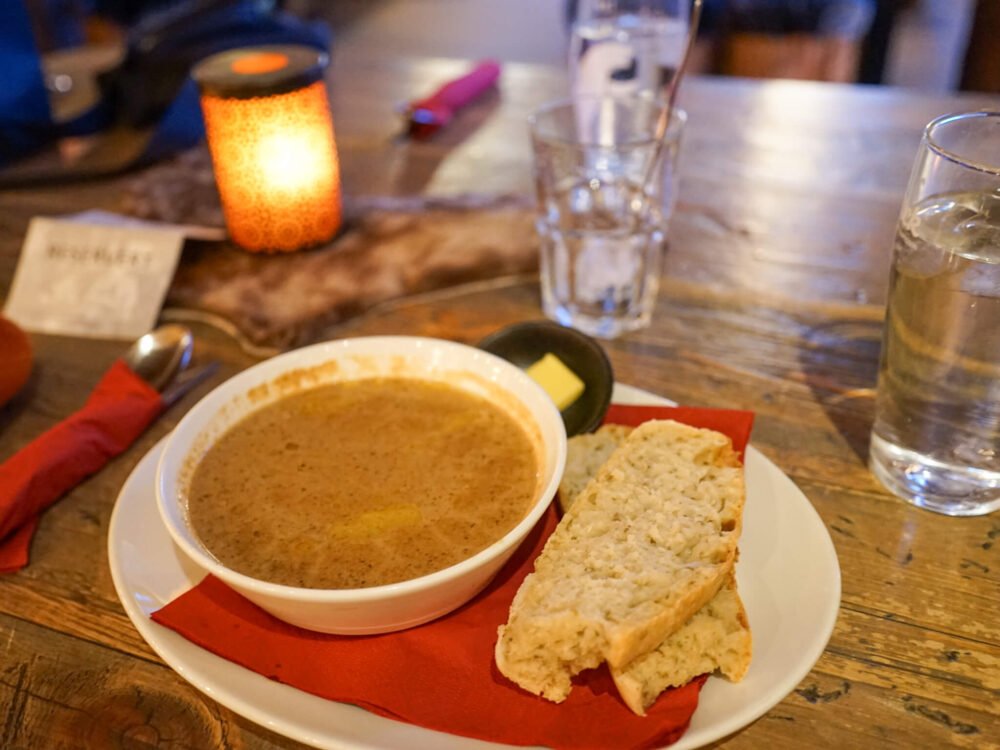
x=285, y=160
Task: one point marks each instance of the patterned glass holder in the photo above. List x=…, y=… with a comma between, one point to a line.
x=270, y=133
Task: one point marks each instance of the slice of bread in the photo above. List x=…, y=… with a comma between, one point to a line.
x=717, y=637
x=585, y=454
x=643, y=547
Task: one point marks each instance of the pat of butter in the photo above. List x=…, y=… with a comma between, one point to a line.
x=560, y=382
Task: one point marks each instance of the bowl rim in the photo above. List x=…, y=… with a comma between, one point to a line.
x=177, y=447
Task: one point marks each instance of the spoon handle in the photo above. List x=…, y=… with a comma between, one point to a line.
x=187, y=380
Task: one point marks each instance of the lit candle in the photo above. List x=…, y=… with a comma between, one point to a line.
x=267, y=119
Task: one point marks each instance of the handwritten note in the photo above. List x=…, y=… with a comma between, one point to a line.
x=96, y=279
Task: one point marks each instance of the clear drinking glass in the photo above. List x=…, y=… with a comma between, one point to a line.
x=936, y=439
x=622, y=47
x=606, y=185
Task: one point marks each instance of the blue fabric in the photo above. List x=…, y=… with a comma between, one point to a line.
x=25, y=118
x=180, y=128
x=152, y=88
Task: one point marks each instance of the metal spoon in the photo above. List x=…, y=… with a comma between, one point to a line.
x=159, y=355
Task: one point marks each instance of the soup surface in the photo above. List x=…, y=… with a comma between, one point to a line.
x=362, y=483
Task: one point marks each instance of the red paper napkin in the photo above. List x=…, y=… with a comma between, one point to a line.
x=441, y=675
x=120, y=407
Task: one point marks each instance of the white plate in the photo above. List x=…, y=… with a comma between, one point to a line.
x=788, y=577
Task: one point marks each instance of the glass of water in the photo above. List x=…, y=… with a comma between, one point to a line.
x=936, y=439
x=605, y=182
x=623, y=47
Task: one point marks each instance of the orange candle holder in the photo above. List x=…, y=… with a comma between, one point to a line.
x=270, y=134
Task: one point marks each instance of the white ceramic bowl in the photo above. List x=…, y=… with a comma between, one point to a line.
x=377, y=609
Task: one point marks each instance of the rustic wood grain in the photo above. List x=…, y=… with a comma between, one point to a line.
x=771, y=300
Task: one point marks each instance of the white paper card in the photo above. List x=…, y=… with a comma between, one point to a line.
x=95, y=280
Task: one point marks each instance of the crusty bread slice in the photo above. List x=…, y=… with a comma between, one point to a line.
x=645, y=545
x=717, y=637
x=586, y=454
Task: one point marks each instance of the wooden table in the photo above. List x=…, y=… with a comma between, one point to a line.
x=772, y=300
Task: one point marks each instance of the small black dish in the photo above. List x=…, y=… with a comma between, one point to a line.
x=523, y=344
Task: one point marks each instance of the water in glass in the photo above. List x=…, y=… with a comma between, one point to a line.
x=936, y=439
x=601, y=242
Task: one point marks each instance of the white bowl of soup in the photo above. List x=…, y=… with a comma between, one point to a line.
x=362, y=485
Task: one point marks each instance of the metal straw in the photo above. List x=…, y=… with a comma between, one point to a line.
x=674, y=87
x=682, y=67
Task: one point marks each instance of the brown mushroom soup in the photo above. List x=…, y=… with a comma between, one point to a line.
x=363, y=483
